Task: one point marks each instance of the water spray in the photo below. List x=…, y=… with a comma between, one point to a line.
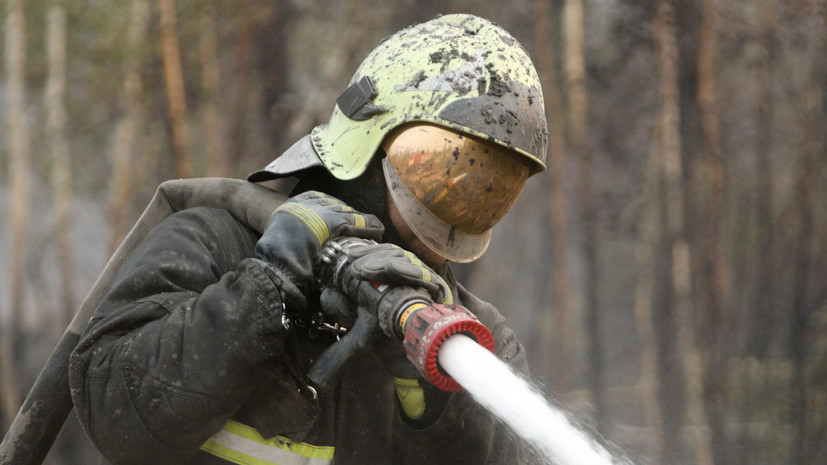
x=493, y=385
x=451, y=349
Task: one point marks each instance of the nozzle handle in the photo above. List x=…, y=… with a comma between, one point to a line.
x=373, y=321
x=334, y=361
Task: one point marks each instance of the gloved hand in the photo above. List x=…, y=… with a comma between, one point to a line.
x=382, y=264
x=391, y=265
x=395, y=266
x=292, y=240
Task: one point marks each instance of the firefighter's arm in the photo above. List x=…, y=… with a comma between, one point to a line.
x=178, y=343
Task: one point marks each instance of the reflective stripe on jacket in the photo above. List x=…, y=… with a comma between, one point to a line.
x=243, y=445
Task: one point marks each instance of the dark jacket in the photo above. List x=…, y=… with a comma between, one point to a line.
x=190, y=336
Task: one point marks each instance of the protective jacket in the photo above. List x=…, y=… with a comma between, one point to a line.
x=186, y=361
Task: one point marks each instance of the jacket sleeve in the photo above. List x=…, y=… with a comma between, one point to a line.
x=179, y=341
x=465, y=432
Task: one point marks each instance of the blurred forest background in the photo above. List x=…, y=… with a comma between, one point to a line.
x=667, y=274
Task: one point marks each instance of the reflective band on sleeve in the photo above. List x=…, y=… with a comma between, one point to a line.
x=426, y=275
x=311, y=219
x=244, y=445
x=359, y=221
x=413, y=258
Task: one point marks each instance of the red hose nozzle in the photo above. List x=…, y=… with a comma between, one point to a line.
x=427, y=327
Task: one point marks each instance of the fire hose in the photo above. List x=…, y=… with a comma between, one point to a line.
x=402, y=313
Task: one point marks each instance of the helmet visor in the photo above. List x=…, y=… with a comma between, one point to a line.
x=451, y=188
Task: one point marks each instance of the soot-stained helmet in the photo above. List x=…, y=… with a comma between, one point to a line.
x=456, y=105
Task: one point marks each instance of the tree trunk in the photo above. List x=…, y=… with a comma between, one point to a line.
x=126, y=131
x=711, y=127
x=174, y=84
x=668, y=64
x=18, y=136
x=646, y=246
x=9, y=388
x=806, y=437
x=17, y=118
x=800, y=317
x=214, y=145
x=710, y=260
x=61, y=157
x=575, y=68
x=555, y=322
x=763, y=292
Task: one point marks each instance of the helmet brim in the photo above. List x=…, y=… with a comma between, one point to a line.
x=299, y=157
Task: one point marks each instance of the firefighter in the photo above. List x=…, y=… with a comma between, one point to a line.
x=195, y=356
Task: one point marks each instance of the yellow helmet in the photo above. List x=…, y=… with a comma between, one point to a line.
x=459, y=74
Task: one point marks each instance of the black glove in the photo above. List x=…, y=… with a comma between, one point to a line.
x=292, y=240
x=395, y=266
x=388, y=264
x=391, y=265
x=381, y=264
